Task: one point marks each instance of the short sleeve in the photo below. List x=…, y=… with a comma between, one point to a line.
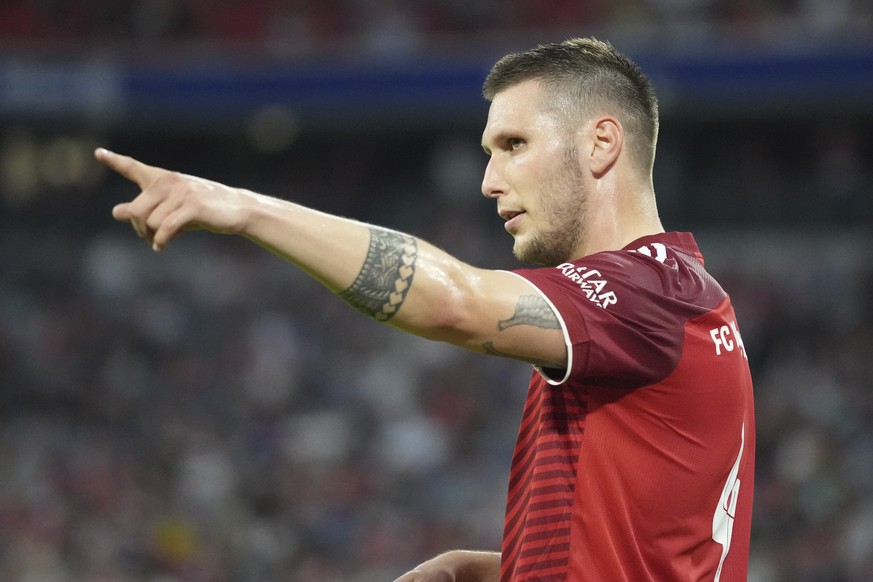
x=623, y=313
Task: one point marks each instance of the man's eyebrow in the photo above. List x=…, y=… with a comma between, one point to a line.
x=500, y=137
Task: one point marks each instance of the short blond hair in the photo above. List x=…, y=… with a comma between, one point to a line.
x=584, y=77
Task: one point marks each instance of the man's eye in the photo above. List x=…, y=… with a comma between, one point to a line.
x=515, y=143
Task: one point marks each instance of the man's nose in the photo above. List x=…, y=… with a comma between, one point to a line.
x=493, y=184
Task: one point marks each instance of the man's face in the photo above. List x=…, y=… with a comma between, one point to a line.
x=534, y=176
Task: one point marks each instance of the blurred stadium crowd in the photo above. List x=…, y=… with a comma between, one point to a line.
x=209, y=414
x=397, y=27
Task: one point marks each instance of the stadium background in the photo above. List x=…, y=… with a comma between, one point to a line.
x=209, y=414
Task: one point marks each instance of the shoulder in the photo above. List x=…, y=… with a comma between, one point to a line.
x=624, y=311
x=665, y=268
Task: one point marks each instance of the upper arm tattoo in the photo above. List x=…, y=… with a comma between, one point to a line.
x=531, y=310
x=386, y=275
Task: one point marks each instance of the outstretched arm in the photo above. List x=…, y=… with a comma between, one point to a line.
x=387, y=275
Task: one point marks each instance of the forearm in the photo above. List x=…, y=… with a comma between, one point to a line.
x=331, y=249
x=387, y=275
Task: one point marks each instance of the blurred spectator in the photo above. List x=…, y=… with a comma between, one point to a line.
x=388, y=28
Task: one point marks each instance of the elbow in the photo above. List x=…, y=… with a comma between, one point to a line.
x=449, y=326
x=450, y=318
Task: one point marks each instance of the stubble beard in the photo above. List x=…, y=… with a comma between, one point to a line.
x=565, y=207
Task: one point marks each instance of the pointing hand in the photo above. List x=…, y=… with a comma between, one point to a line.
x=170, y=202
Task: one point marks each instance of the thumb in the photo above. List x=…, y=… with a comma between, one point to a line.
x=121, y=212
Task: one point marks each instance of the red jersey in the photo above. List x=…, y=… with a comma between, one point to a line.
x=636, y=463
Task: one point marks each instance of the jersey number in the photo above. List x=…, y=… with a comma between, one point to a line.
x=723, y=520
x=659, y=255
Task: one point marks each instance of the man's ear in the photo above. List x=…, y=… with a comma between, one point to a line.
x=606, y=139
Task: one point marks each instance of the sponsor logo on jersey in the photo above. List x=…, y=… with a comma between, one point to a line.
x=591, y=282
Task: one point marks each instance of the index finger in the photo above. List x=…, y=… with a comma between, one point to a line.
x=132, y=169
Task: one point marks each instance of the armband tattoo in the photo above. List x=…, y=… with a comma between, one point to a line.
x=386, y=275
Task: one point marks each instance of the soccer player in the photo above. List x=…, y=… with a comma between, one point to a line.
x=635, y=454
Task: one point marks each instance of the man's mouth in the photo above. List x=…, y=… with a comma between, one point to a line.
x=511, y=217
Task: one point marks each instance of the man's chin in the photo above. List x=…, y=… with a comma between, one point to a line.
x=521, y=252
x=534, y=256
x=535, y=251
